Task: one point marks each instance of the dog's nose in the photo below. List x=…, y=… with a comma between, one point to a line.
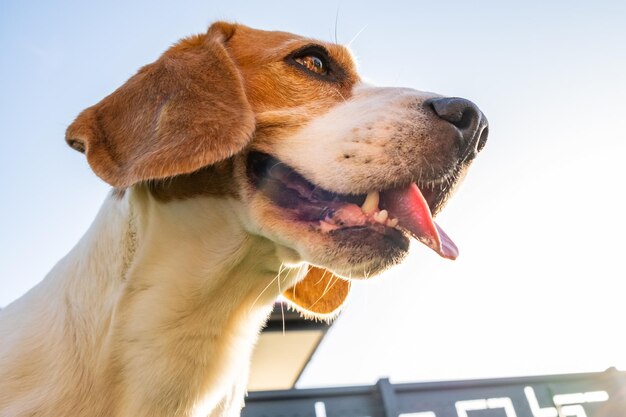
x=468, y=118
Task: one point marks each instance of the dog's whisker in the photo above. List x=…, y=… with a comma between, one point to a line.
x=356, y=36
x=263, y=291
x=282, y=309
x=340, y=95
x=293, y=290
x=275, y=164
x=323, y=276
x=328, y=287
x=336, y=24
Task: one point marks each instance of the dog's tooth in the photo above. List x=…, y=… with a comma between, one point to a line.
x=392, y=222
x=371, y=202
x=381, y=216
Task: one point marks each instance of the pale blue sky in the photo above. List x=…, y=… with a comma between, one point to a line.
x=539, y=285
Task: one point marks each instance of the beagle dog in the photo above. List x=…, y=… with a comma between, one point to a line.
x=245, y=164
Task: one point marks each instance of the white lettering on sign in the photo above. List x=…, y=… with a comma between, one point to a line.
x=581, y=398
x=534, y=405
x=320, y=409
x=462, y=407
x=567, y=405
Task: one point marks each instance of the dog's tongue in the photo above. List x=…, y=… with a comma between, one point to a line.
x=410, y=207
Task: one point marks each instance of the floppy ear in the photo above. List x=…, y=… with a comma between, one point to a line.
x=321, y=294
x=185, y=111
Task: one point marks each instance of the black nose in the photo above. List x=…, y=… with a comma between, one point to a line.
x=468, y=118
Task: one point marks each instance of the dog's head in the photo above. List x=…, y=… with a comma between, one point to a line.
x=340, y=172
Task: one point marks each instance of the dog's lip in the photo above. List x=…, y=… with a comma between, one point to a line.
x=397, y=237
x=305, y=202
x=287, y=188
x=431, y=188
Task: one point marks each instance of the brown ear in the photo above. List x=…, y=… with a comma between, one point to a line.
x=321, y=294
x=185, y=111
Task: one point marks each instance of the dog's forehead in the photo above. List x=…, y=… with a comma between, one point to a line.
x=272, y=83
x=261, y=46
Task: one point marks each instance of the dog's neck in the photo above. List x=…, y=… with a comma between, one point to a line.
x=178, y=306
x=194, y=292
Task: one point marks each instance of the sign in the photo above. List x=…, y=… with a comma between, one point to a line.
x=578, y=395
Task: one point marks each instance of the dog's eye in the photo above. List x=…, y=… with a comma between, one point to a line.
x=313, y=62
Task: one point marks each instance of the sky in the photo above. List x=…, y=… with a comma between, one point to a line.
x=539, y=285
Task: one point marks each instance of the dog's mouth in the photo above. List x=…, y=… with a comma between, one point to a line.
x=392, y=213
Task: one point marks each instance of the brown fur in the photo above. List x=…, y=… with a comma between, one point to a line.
x=321, y=292
x=185, y=111
x=214, y=180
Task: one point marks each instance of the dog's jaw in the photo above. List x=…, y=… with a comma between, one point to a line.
x=378, y=140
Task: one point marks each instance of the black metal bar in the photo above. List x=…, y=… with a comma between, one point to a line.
x=388, y=397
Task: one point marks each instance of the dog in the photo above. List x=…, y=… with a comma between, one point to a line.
x=244, y=164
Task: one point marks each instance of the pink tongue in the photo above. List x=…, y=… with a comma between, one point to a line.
x=410, y=207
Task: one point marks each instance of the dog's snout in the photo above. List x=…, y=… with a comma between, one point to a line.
x=467, y=118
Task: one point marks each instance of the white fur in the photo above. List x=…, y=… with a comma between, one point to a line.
x=375, y=128
x=154, y=313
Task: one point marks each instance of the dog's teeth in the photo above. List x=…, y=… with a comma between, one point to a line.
x=381, y=216
x=371, y=202
x=392, y=222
